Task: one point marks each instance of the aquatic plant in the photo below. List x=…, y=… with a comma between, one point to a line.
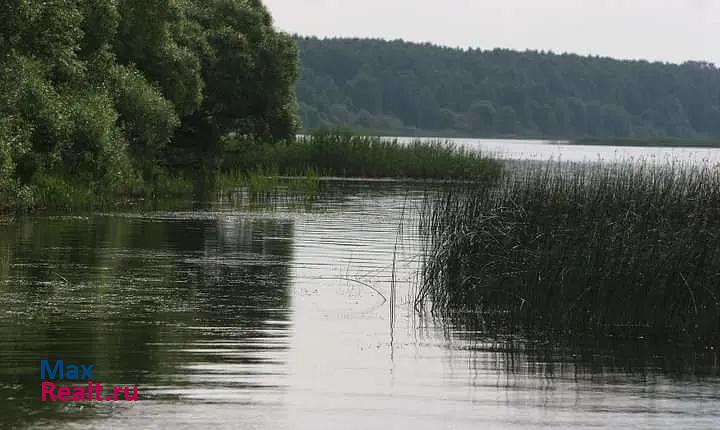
x=347, y=155
x=266, y=183
x=304, y=182
x=621, y=249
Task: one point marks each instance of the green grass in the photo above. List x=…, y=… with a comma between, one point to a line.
x=346, y=155
x=622, y=250
x=166, y=185
x=267, y=184
x=305, y=182
x=56, y=193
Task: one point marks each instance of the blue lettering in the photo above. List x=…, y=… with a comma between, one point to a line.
x=72, y=372
x=87, y=371
x=52, y=373
x=60, y=371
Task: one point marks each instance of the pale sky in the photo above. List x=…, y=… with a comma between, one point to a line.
x=666, y=30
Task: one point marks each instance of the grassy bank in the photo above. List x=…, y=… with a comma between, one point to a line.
x=347, y=155
x=293, y=166
x=650, y=142
x=624, y=250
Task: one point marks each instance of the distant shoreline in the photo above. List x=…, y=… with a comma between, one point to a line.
x=648, y=142
x=662, y=142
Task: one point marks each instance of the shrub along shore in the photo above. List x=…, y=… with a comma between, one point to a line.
x=258, y=167
x=611, y=250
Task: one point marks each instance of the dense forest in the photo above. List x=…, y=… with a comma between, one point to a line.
x=109, y=93
x=400, y=87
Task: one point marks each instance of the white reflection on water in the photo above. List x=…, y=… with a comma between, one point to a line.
x=329, y=361
x=539, y=150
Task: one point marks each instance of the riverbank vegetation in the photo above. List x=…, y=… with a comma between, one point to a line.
x=103, y=101
x=294, y=165
x=403, y=88
x=298, y=167
x=106, y=98
x=612, y=250
x=346, y=155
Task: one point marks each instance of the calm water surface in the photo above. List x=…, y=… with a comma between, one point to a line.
x=229, y=316
x=539, y=150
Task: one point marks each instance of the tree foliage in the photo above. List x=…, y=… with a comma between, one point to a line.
x=103, y=90
x=407, y=88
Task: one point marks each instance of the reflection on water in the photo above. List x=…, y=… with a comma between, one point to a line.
x=235, y=318
x=183, y=307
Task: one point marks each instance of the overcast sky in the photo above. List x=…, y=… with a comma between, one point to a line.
x=667, y=30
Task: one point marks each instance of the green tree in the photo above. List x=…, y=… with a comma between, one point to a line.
x=161, y=40
x=481, y=116
x=365, y=93
x=506, y=120
x=95, y=91
x=49, y=31
x=616, y=121
x=100, y=22
x=149, y=119
x=249, y=70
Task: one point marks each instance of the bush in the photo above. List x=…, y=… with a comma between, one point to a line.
x=96, y=148
x=149, y=120
x=14, y=144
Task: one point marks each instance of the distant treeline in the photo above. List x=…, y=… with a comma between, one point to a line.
x=401, y=87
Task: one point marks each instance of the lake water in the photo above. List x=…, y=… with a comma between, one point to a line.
x=538, y=150
x=228, y=314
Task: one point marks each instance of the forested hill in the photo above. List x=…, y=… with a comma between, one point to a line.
x=409, y=88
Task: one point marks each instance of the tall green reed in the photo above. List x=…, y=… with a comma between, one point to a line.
x=624, y=249
x=346, y=155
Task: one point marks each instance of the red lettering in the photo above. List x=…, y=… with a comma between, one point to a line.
x=98, y=392
x=63, y=394
x=79, y=394
x=132, y=398
x=47, y=389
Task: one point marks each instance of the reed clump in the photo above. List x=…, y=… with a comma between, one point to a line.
x=347, y=155
x=623, y=249
x=267, y=184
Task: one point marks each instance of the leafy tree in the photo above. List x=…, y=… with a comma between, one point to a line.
x=158, y=38
x=481, y=116
x=99, y=27
x=149, y=120
x=49, y=31
x=14, y=144
x=616, y=121
x=249, y=70
x=97, y=91
x=506, y=120
x=365, y=93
